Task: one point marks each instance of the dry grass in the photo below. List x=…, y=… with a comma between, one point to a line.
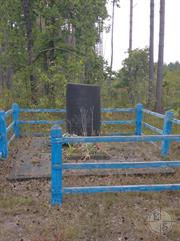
x=26, y=213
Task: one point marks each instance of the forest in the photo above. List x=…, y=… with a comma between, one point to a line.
x=74, y=166
x=45, y=44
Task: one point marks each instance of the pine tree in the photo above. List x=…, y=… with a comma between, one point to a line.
x=159, y=86
x=151, y=56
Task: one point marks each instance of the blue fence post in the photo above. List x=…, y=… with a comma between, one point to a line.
x=3, y=136
x=167, y=129
x=56, y=166
x=15, y=114
x=139, y=119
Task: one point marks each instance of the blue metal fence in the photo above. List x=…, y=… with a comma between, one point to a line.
x=57, y=165
x=103, y=110
x=5, y=140
x=137, y=123
x=3, y=136
x=169, y=121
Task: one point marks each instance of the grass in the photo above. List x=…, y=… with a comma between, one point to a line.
x=12, y=203
x=91, y=217
x=107, y=217
x=55, y=238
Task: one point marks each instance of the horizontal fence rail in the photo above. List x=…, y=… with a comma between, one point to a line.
x=127, y=188
x=103, y=110
x=120, y=134
x=119, y=122
x=61, y=122
x=120, y=165
x=42, y=122
x=118, y=110
x=26, y=110
x=161, y=116
x=176, y=121
x=153, y=128
x=92, y=139
x=8, y=113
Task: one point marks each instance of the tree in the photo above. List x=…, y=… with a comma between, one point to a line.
x=47, y=44
x=130, y=25
x=151, y=56
x=171, y=88
x=159, y=85
x=112, y=44
x=9, y=42
x=27, y=11
x=136, y=83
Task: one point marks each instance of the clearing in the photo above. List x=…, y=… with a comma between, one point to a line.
x=26, y=213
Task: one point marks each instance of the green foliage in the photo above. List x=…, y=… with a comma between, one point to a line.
x=172, y=87
x=131, y=80
x=64, y=35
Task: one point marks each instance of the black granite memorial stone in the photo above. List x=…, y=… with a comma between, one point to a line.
x=83, y=109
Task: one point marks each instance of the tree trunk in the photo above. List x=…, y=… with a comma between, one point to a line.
x=9, y=76
x=131, y=95
x=71, y=39
x=151, y=56
x=52, y=51
x=130, y=25
x=159, y=87
x=52, y=36
x=28, y=25
x=112, y=47
x=2, y=71
x=1, y=80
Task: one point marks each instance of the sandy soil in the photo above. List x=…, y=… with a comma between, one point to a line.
x=26, y=213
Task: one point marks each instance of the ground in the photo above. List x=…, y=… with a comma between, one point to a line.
x=26, y=213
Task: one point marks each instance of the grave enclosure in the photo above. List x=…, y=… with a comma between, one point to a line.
x=163, y=135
